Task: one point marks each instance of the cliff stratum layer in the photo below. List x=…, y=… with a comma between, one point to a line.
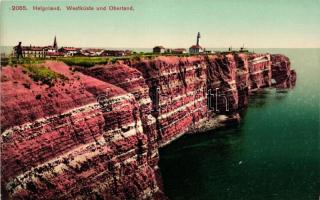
x=95, y=133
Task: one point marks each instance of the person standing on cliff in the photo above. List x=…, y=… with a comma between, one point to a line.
x=18, y=50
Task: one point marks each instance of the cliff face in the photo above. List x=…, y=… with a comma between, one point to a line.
x=96, y=134
x=75, y=146
x=176, y=88
x=282, y=73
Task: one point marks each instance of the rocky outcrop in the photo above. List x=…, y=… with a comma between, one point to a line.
x=282, y=73
x=96, y=133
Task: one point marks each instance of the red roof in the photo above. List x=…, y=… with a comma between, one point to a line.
x=94, y=50
x=195, y=47
x=71, y=49
x=179, y=49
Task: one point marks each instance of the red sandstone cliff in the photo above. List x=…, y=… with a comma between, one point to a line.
x=96, y=134
x=282, y=73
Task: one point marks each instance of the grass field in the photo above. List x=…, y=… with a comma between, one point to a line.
x=42, y=74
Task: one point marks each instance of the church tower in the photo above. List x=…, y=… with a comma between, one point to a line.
x=55, y=45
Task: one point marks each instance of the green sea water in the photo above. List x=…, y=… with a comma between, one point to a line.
x=273, y=154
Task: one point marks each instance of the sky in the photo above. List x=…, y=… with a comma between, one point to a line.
x=171, y=23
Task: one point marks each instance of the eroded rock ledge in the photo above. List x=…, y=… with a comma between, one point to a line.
x=96, y=134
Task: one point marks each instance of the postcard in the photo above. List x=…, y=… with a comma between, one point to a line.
x=160, y=100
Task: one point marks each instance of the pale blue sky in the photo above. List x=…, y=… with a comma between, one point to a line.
x=172, y=23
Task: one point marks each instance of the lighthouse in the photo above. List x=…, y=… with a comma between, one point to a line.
x=196, y=49
x=198, y=38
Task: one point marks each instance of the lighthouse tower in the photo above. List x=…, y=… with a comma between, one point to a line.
x=196, y=49
x=198, y=38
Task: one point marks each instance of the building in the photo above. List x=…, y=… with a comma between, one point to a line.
x=179, y=51
x=196, y=49
x=128, y=52
x=92, y=52
x=116, y=53
x=39, y=51
x=168, y=51
x=34, y=51
x=242, y=49
x=159, y=49
x=70, y=51
x=54, y=54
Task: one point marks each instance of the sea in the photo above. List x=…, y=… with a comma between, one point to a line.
x=274, y=154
